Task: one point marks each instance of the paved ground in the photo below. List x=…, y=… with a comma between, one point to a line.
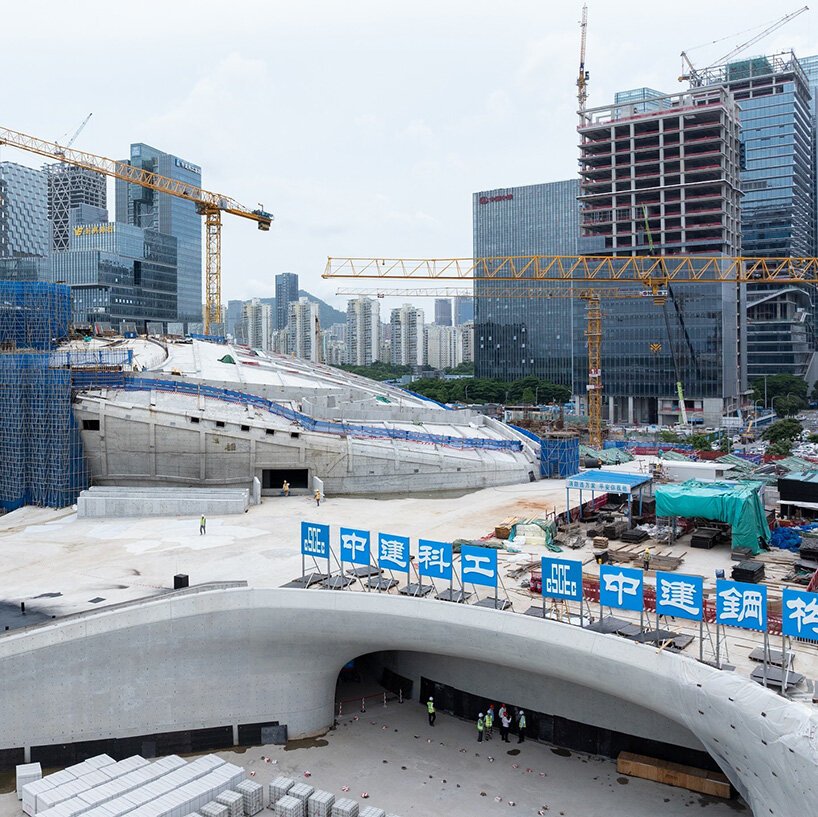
x=409, y=768
x=59, y=564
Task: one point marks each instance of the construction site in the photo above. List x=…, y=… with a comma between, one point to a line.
x=236, y=579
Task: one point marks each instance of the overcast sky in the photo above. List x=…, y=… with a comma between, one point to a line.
x=364, y=127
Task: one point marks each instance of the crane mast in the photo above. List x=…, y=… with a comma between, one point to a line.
x=583, y=76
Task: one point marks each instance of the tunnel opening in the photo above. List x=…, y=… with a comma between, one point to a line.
x=460, y=690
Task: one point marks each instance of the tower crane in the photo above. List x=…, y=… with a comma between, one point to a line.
x=596, y=277
x=696, y=76
x=79, y=130
x=584, y=77
x=209, y=205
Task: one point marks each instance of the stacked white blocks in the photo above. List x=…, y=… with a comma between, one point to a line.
x=319, y=804
x=27, y=773
x=214, y=809
x=345, y=808
x=234, y=802
x=253, y=796
x=278, y=788
x=289, y=806
x=371, y=811
x=169, y=787
x=301, y=791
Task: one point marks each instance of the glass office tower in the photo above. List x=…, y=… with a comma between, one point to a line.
x=778, y=205
x=170, y=215
x=518, y=336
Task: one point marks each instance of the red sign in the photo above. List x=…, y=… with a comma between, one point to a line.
x=489, y=199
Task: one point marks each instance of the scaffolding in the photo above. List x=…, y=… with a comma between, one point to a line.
x=33, y=314
x=560, y=455
x=40, y=444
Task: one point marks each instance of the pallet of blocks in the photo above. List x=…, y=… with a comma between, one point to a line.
x=301, y=791
x=27, y=773
x=289, y=807
x=319, y=804
x=252, y=794
x=714, y=784
x=213, y=809
x=234, y=802
x=371, y=811
x=345, y=808
x=278, y=788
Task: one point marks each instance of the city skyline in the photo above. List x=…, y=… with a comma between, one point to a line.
x=405, y=182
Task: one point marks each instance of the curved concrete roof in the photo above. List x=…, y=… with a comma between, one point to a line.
x=207, y=657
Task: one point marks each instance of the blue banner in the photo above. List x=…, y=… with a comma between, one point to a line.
x=315, y=540
x=620, y=587
x=679, y=596
x=393, y=552
x=355, y=546
x=740, y=604
x=799, y=613
x=562, y=579
x=434, y=559
x=478, y=565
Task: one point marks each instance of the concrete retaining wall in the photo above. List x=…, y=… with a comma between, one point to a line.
x=198, y=659
x=111, y=501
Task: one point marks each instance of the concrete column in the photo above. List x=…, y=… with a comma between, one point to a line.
x=235, y=734
x=611, y=413
x=152, y=444
x=26, y=754
x=202, y=453
x=630, y=409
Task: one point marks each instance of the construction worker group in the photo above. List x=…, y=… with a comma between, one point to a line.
x=485, y=722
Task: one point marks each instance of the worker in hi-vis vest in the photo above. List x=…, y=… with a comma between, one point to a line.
x=480, y=727
x=430, y=708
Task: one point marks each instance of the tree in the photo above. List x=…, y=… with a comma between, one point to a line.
x=780, y=385
x=528, y=397
x=789, y=405
x=667, y=436
x=782, y=430
x=700, y=442
x=780, y=448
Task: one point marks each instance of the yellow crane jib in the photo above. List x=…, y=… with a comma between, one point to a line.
x=210, y=205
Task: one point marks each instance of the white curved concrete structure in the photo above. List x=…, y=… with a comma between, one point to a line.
x=227, y=656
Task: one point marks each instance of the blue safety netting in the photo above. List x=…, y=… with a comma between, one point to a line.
x=320, y=426
x=33, y=314
x=789, y=538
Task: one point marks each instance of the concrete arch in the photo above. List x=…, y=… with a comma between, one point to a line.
x=202, y=658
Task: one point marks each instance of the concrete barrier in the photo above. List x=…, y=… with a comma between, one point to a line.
x=112, y=501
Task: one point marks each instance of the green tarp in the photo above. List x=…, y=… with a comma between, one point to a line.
x=739, y=504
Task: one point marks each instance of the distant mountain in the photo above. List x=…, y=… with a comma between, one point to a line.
x=327, y=314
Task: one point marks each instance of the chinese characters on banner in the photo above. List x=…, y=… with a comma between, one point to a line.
x=478, y=565
x=434, y=559
x=355, y=546
x=315, y=540
x=799, y=614
x=562, y=579
x=620, y=587
x=393, y=552
x=740, y=604
x=679, y=596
